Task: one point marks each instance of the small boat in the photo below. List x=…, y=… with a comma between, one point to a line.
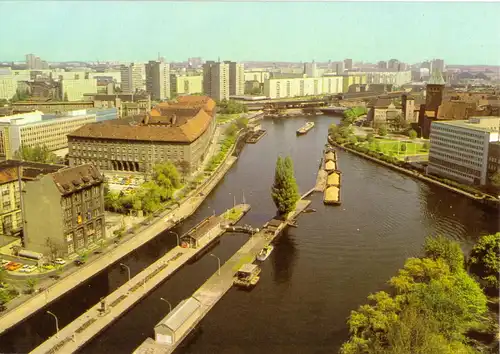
x=264, y=253
x=293, y=223
x=247, y=276
x=305, y=128
x=310, y=210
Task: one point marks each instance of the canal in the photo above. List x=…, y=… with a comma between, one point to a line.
x=316, y=275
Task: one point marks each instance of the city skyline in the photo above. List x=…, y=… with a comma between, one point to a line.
x=322, y=31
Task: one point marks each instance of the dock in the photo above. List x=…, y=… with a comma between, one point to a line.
x=176, y=326
x=256, y=136
x=74, y=336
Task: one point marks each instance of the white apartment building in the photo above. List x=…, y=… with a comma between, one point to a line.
x=75, y=89
x=397, y=78
x=459, y=148
x=158, y=80
x=216, y=80
x=132, y=77
x=236, y=78
x=282, y=88
x=32, y=129
x=186, y=85
x=311, y=70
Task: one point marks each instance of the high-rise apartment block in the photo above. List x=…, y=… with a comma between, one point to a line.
x=393, y=64
x=216, y=80
x=35, y=63
x=310, y=69
x=236, y=78
x=348, y=64
x=438, y=64
x=132, y=77
x=158, y=80
x=382, y=65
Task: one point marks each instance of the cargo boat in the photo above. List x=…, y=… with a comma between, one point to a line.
x=256, y=136
x=305, y=128
x=247, y=276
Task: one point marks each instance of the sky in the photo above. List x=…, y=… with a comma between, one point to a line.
x=460, y=33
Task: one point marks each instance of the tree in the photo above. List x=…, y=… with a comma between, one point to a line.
x=36, y=154
x=484, y=259
x=167, y=176
x=113, y=202
x=403, y=147
x=231, y=130
x=382, y=130
x=241, y=122
x=412, y=134
x=370, y=138
x=184, y=166
x=426, y=146
x=352, y=139
x=31, y=284
x=495, y=179
x=446, y=249
x=284, y=191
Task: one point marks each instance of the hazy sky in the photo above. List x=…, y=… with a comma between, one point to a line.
x=461, y=33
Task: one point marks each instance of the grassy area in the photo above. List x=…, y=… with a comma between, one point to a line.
x=233, y=214
x=397, y=148
x=225, y=118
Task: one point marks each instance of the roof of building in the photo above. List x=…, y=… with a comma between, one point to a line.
x=454, y=110
x=30, y=170
x=248, y=268
x=203, y=228
x=436, y=78
x=180, y=314
x=168, y=122
x=484, y=124
x=380, y=102
x=72, y=179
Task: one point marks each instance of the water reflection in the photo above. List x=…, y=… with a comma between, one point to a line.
x=283, y=257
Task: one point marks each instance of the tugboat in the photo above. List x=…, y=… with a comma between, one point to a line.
x=305, y=128
x=264, y=253
x=247, y=276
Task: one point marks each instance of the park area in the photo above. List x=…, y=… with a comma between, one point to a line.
x=398, y=148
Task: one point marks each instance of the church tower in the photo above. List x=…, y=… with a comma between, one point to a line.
x=434, y=92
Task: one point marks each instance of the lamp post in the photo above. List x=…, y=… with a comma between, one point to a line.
x=218, y=263
x=57, y=321
x=169, y=304
x=176, y=235
x=128, y=269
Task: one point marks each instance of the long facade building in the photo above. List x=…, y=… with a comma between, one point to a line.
x=31, y=129
x=179, y=132
x=293, y=87
x=459, y=149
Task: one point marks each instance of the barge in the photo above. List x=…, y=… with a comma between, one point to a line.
x=256, y=136
x=333, y=176
x=305, y=128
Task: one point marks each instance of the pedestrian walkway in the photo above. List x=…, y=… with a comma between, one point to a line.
x=217, y=285
x=186, y=209
x=101, y=315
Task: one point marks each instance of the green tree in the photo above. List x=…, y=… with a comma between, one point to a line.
x=113, y=202
x=412, y=134
x=495, y=179
x=241, y=122
x=382, y=131
x=446, y=249
x=285, y=192
x=403, y=147
x=167, y=176
x=484, y=259
x=36, y=154
x=352, y=139
x=231, y=130
x=31, y=284
x=370, y=138
x=426, y=146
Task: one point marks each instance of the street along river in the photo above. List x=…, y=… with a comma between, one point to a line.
x=316, y=274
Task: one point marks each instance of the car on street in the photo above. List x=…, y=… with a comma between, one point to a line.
x=59, y=261
x=79, y=262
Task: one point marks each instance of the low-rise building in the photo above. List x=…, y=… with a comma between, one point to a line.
x=381, y=111
x=64, y=211
x=50, y=106
x=126, y=104
x=460, y=148
x=34, y=129
x=173, y=131
x=13, y=175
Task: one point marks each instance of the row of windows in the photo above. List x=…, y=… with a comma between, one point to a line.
x=455, y=167
x=456, y=159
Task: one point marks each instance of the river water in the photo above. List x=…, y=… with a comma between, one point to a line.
x=317, y=273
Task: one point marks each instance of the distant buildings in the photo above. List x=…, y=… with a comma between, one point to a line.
x=8, y=85
x=293, y=87
x=64, y=211
x=382, y=65
x=34, y=62
x=348, y=64
x=75, y=88
x=310, y=69
x=216, y=80
x=393, y=64
x=185, y=85
x=174, y=131
x=236, y=78
x=158, y=80
x=438, y=64
x=31, y=129
x=460, y=148
x=132, y=77
x=381, y=111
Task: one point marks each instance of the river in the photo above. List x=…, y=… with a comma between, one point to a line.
x=317, y=273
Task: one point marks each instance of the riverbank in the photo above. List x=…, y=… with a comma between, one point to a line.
x=96, y=319
x=219, y=283
x=138, y=236
x=417, y=175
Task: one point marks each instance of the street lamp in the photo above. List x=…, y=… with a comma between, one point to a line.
x=218, y=263
x=57, y=321
x=169, y=304
x=128, y=269
x=176, y=235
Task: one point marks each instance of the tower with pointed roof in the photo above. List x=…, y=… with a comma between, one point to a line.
x=434, y=92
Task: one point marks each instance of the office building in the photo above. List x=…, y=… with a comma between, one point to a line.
x=74, y=89
x=236, y=78
x=34, y=129
x=180, y=132
x=64, y=211
x=310, y=69
x=216, y=80
x=348, y=64
x=132, y=77
x=259, y=76
x=158, y=80
x=185, y=85
x=13, y=175
x=460, y=148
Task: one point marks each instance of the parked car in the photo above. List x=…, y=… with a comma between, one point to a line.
x=30, y=269
x=59, y=261
x=79, y=262
x=14, y=266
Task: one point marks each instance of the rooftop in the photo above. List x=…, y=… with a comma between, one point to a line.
x=436, y=78
x=29, y=170
x=72, y=179
x=485, y=124
x=180, y=314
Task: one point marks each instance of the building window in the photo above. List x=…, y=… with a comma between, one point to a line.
x=69, y=237
x=71, y=248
